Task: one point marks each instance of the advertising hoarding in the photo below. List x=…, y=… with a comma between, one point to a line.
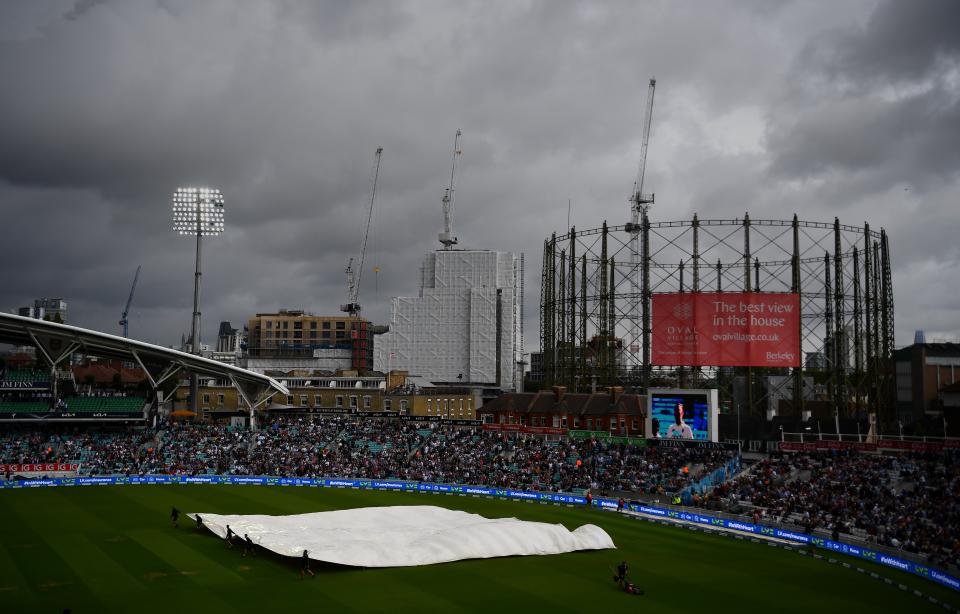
x=726, y=329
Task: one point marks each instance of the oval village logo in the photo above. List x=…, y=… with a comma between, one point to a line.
x=683, y=330
x=683, y=311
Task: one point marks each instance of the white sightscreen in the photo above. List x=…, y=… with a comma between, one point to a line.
x=402, y=536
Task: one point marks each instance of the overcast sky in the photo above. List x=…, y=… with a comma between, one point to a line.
x=848, y=109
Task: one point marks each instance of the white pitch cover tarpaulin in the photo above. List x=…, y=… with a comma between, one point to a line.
x=402, y=536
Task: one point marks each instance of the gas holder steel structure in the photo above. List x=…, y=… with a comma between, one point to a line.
x=596, y=291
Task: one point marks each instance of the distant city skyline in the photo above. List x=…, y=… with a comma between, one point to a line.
x=821, y=109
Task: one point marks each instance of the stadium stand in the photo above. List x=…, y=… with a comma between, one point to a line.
x=104, y=404
x=908, y=501
x=335, y=446
x=12, y=407
x=25, y=375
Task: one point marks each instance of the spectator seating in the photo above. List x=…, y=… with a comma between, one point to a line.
x=25, y=375
x=104, y=404
x=11, y=407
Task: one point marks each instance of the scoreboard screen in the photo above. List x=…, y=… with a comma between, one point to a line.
x=680, y=416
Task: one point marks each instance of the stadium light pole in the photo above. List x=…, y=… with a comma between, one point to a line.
x=197, y=211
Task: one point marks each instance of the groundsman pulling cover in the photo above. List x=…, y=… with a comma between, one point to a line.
x=401, y=536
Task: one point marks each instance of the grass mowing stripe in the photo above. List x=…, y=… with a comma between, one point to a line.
x=100, y=572
x=681, y=570
x=50, y=578
x=181, y=557
x=415, y=589
x=15, y=587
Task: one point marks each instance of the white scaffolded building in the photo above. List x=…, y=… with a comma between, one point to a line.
x=465, y=327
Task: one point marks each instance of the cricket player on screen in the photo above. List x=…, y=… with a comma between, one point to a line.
x=679, y=429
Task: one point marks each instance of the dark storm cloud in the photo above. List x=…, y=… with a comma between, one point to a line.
x=911, y=139
x=879, y=99
x=901, y=41
x=867, y=128
x=772, y=107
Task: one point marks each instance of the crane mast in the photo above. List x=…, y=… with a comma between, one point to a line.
x=352, y=306
x=641, y=202
x=639, y=206
x=446, y=237
x=126, y=309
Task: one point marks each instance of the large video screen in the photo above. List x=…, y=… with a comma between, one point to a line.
x=680, y=416
x=726, y=329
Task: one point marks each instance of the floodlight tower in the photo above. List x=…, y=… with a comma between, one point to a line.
x=197, y=211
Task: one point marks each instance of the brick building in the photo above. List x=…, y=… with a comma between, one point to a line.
x=925, y=372
x=332, y=342
x=557, y=411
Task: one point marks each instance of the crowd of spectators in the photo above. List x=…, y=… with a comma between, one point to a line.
x=339, y=446
x=907, y=501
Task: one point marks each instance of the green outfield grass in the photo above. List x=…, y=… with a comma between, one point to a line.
x=112, y=548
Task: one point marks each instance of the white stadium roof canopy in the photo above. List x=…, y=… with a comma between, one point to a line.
x=55, y=342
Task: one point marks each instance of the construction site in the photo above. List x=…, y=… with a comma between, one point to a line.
x=465, y=325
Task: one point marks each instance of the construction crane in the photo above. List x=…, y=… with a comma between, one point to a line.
x=640, y=202
x=352, y=306
x=126, y=310
x=446, y=237
x=639, y=206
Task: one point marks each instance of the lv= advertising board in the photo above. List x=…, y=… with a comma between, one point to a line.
x=726, y=329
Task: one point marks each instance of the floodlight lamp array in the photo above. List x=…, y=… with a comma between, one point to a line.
x=198, y=211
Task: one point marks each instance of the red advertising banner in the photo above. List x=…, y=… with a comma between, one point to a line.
x=520, y=428
x=813, y=446
x=726, y=329
x=37, y=467
x=883, y=444
x=918, y=446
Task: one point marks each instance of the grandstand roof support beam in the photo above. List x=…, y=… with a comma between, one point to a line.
x=73, y=347
x=259, y=394
x=146, y=371
x=43, y=349
x=169, y=372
